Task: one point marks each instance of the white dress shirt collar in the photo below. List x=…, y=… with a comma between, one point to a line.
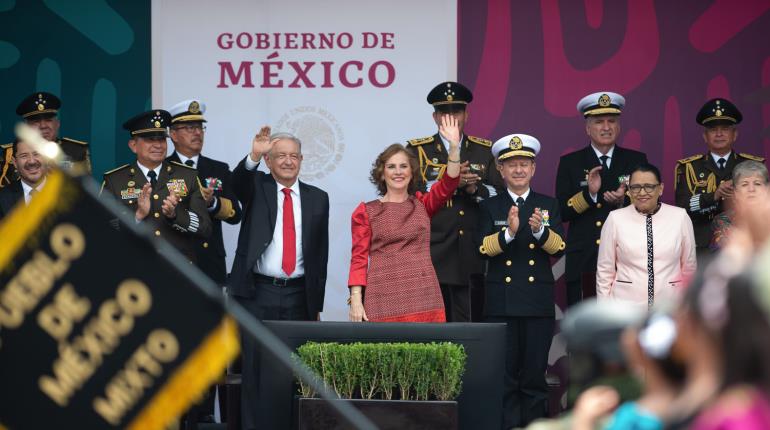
x=146, y=170
x=294, y=188
x=183, y=159
x=515, y=196
x=717, y=157
x=26, y=188
x=599, y=153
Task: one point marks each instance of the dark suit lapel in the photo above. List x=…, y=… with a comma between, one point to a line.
x=174, y=157
x=307, y=214
x=270, y=190
x=590, y=157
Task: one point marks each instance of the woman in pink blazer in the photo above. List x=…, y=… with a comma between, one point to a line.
x=647, y=249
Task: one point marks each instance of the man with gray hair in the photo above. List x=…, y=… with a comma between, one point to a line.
x=279, y=271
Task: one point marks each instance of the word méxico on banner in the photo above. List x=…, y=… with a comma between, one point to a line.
x=306, y=74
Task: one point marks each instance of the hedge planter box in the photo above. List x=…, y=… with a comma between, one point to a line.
x=316, y=414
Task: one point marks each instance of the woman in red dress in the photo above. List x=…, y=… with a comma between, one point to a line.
x=391, y=273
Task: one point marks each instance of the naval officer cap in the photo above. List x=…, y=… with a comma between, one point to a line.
x=515, y=145
x=718, y=112
x=149, y=124
x=601, y=103
x=38, y=105
x=188, y=111
x=448, y=97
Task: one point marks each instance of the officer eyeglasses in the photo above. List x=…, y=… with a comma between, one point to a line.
x=637, y=188
x=191, y=128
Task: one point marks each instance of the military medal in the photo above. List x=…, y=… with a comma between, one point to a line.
x=546, y=217
x=129, y=193
x=177, y=186
x=623, y=179
x=216, y=182
x=584, y=182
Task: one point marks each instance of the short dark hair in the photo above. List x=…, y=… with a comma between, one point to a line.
x=646, y=167
x=15, y=147
x=376, y=175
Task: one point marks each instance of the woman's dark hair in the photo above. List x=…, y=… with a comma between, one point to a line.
x=646, y=167
x=377, y=176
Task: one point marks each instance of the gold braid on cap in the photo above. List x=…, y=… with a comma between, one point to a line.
x=491, y=245
x=554, y=243
x=578, y=203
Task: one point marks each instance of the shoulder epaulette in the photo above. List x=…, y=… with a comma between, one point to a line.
x=70, y=140
x=181, y=164
x=689, y=159
x=752, y=157
x=420, y=141
x=116, y=169
x=480, y=141
x=6, y=146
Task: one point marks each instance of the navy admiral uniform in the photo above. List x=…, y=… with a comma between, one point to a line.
x=186, y=116
x=452, y=249
x=520, y=283
x=125, y=183
x=584, y=214
x=699, y=176
x=37, y=107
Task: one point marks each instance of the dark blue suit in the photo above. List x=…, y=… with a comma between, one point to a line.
x=211, y=252
x=519, y=292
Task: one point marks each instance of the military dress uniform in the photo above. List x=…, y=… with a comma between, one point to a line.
x=453, y=228
x=519, y=288
x=585, y=216
x=699, y=176
x=78, y=158
x=225, y=206
x=125, y=184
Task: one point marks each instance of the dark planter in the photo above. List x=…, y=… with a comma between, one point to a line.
x=316, y=414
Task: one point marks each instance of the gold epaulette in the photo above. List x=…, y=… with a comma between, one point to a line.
x=6, y=145
x=480, y=141
x=77, y=142
x=116, y=169
x=420, y=141
x=689, y=159
x=752, y=157
x=181, y=164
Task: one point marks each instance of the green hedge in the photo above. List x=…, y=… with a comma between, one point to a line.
x=406, y=371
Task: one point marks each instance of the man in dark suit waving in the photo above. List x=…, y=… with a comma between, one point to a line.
x=591, y=182
x=279, y=271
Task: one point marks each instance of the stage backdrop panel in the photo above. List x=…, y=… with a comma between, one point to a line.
x=348, y=78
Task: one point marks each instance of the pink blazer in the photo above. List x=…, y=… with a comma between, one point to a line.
x=621, y=272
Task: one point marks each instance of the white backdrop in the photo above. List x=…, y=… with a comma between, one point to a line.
x=347, y=77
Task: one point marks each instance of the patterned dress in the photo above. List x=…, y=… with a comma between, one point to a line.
x=391, y=257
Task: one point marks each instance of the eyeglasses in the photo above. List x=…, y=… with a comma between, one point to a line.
x=648, y=188
x=191, y=128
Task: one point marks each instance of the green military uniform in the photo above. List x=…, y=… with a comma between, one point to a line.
x=37, y=105
x=455, y=258
x=191, y=221
x=699, y=176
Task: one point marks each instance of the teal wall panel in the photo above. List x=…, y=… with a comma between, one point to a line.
x=94, y=54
